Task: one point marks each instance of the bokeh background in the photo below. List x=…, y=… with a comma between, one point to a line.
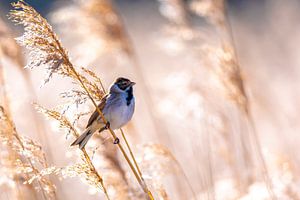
x=179, y=104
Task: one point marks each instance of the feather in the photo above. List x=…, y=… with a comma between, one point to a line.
x=83, y=139
x=95, y=114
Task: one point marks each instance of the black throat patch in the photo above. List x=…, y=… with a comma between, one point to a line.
x=129, y=96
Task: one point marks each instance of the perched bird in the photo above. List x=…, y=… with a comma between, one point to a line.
x=117, y=107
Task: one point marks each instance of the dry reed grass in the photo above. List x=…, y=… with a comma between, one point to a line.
x=26, y=158
x=222, y=62
x=229, y=73
x=10, y=50
x=45, y=48
x=209, y=127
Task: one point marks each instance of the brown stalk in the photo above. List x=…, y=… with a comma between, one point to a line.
x=131, y=154
x=87, y=158
x=90, y=163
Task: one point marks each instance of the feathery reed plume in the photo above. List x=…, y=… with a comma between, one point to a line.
x=228, y=70
x=14, y=161
x=11, y=50
x=46, y=49
x=29, y=157
x=12, y=180
x=222, y=62
x=186, y=36
x=86, y=168
x=114, y=176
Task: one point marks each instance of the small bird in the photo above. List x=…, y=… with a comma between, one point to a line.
x=117, y=107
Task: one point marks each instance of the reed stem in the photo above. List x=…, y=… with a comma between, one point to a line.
x=87, y=158
x=227, y=29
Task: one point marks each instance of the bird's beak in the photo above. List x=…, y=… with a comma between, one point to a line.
x=132, y=83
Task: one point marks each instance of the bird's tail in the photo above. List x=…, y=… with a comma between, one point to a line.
x=83, y=138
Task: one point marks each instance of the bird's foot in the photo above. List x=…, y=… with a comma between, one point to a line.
x=117, y=141
x=107, y=125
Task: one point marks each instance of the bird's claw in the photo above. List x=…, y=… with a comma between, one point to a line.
x=107, y=125
x=117, y=141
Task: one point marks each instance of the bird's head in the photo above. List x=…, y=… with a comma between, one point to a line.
x=121, y=85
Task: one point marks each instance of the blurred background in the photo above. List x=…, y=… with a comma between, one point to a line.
x=217, y=112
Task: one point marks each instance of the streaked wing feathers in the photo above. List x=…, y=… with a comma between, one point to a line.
x=95, y=114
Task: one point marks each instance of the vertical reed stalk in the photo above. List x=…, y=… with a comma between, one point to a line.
x=226, y=33
x=131, y=154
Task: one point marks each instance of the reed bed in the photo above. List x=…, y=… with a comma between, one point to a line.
x=210, y=122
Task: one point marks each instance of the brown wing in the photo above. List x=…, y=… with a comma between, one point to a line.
x=95, y=114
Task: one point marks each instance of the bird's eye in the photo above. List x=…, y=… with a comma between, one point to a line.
x=122, y=85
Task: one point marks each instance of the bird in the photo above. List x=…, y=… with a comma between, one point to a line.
x=117, y=107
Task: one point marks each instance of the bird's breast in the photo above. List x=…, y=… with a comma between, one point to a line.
x=118, y=112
